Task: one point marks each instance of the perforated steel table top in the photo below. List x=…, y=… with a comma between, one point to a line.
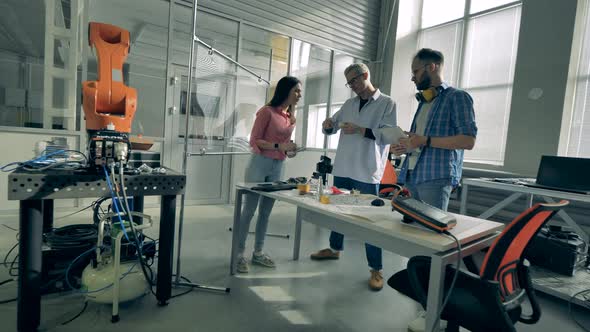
x=56, y=184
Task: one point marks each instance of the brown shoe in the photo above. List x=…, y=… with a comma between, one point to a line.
x=325, y=254
x=376, y=280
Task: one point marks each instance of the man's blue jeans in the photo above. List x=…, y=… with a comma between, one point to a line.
x=374, y=255
x=436, y=192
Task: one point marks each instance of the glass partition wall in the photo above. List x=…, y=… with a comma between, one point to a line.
x=224, y=97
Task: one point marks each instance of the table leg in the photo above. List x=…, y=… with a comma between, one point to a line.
x=435, y=291
x=29, y=265
x=138, y=207
x=463, y=207
x=297, y=244
x=166, y=250
x=236, y=231
x=498, y=207
x=568, y=220
x=47, y=215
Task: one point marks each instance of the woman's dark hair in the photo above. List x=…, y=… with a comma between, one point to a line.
x=284, y=86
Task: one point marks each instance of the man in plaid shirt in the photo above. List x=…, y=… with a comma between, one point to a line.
x=443, y=127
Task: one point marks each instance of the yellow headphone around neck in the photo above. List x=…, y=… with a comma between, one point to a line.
x=428, y=95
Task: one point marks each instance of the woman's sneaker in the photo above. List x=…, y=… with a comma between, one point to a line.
x=242, y=266
x=263, y=260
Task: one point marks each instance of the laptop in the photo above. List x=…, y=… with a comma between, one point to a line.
x=564, y=174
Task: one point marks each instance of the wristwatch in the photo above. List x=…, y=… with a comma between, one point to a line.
x=428, y=141
x=276, y=146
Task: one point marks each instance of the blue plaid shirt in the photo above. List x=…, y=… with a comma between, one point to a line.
x=451, y=114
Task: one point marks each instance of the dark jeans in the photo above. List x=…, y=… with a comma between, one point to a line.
x=374, y=256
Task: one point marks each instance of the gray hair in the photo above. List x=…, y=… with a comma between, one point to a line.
x=359, y=68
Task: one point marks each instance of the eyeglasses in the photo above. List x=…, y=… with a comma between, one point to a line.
x=415, y=71
x=353, y=80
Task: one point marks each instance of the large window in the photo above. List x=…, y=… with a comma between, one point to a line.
x=340, y=92
x=311, y=64
x=479, y=40
x=39, y=77
x=267, y=54
x=576, y=128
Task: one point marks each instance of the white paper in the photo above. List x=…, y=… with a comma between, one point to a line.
x=392, y=135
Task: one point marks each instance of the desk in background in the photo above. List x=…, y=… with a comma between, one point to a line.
x=544, y=280
x=383, y=228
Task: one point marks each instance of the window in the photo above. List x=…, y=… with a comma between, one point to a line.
x=435, y=12
x=311, y=65
x=480, y=54
x=267, y=54
x=487, y=74
x=340, y=93
x=214, y=81
x=39, y=84
x=477, y=6
x=576, y=129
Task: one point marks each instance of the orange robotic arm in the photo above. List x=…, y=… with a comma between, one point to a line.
x=108, y=103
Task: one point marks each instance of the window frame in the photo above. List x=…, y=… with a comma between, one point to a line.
x=458, y=70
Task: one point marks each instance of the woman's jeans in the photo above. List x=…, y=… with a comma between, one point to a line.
x=374, y=254
x=260, y=169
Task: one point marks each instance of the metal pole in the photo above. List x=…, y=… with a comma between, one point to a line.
x=230, y=59
x=177, y=281
x=186, y=128
x=228, y=153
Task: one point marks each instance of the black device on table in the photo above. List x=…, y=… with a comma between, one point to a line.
x=426, y=215
x=275, y=186
x=323, y=168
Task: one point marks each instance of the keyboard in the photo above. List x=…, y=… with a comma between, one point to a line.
x=515, y=180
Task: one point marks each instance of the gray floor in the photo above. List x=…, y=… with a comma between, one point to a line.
x=297, y=296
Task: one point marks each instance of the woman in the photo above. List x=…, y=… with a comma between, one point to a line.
x=270, y=142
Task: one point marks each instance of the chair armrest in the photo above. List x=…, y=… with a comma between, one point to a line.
x=524, y=279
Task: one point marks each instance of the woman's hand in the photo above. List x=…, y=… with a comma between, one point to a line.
x=286, y=147
x=292, y=116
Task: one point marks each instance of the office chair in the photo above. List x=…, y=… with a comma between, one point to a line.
x=490, y=301
x=388, y=181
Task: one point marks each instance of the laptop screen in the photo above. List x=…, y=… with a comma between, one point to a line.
x=564, y=172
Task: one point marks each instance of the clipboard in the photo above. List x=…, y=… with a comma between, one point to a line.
x=393, y=134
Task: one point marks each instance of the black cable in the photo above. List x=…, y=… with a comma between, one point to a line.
x=8, y=301
x=98, y=211
x=78, y=315
x=450, y=291
x=11, y=228
x=73, y=213
x=6, y=281
x=13, y=268
x=125, y=205
x=185, y=292
x=569, y=308
x=72, y=236
x=5, y=262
